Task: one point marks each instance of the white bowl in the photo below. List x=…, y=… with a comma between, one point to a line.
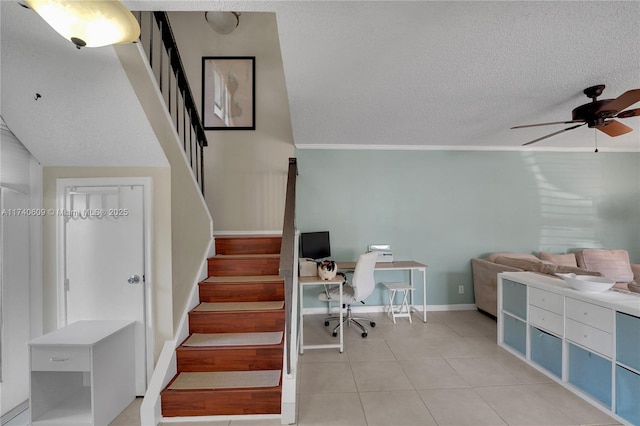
x=588, y=283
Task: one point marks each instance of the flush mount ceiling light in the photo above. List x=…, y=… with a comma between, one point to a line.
x=223, y=22
x=88, y=23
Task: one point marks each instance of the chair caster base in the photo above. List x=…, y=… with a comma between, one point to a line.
x=364, y=334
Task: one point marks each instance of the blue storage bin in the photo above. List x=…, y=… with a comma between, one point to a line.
x=515, y=333
x=628, y=395
x=514, y=298
x=546, y=351
x=591, y=373
x=628, y=340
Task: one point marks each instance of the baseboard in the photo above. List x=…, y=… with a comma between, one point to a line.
x=14, y=412
x=383, y=308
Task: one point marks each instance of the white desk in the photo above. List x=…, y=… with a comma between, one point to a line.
x=82, y=374
x=308, y=281
x=401, y=265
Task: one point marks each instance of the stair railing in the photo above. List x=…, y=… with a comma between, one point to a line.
x=162, y=52
x=288, y=270
x=288, y=255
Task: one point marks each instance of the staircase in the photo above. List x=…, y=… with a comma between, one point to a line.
x=231, y=363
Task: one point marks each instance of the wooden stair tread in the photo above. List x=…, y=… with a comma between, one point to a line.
x=244, y=279
x=200, y=340
x=226, y=380
x=238, y=306
x=245, y=256
x=247, y=236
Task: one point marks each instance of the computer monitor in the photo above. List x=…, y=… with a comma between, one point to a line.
x=315, y=245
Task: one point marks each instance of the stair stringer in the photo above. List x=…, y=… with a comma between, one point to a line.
x=289, y=379
x=191, y=221
x=167, y=366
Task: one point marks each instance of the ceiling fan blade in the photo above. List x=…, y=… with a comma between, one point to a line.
x=627, y=99
x=547, y=124
x=554, y=133
x=629, y=113
x=614, y=128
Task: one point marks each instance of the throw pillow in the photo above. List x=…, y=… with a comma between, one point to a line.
x=494, y=256
x=561, y=269
x=568, y=259
x=613, y=264
x=521, y=263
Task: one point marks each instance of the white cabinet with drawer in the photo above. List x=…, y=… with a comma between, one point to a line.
x=60, y=358
x=590, y=326
x=546, y=320
x=587, y=342
x=82, y=374
x=546, y=310
x=546, y=300
x=590, y=337
x=590, y=314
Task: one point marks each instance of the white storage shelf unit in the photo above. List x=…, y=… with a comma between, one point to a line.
x=588, y=342
x=82, y=374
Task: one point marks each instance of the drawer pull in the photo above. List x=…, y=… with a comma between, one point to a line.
x=56, y=359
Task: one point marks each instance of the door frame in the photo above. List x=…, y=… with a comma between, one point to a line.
x=146, y=183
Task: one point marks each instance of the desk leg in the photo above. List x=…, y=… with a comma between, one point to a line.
x=424, y=295
x=301, y=317
x=341, y=323
x=413, y=284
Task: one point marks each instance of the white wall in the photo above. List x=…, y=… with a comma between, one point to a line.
x=21, y=283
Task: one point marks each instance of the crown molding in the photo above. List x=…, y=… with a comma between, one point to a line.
x=355, y=147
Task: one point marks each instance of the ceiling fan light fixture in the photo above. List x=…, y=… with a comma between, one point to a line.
x=223, y=22
x=88, y=23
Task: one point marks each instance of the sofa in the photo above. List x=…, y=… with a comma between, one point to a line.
x=613, y=264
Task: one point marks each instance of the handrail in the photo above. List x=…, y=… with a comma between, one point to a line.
x=187, y=120
x=287, y=254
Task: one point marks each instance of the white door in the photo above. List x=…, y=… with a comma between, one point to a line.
x=104, y=259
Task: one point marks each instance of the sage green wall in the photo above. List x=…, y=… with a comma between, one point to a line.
x=443, y=208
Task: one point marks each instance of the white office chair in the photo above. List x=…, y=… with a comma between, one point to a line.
x=362, y=285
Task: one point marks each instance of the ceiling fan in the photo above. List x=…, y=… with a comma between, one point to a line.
x=598, y=114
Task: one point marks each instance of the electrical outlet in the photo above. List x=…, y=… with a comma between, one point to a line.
x=460, y=289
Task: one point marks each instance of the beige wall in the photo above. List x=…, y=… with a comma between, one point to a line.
x=161, y=238
x=246, y=170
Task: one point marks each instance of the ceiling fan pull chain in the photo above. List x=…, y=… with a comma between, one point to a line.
x=595, y=134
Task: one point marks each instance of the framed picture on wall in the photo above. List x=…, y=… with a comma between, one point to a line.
x=229, y=92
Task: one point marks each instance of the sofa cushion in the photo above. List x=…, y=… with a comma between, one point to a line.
x=526, y=264
x=492, y=257
x=613, y=264
x=542, y=266
x=568, y=259
x=551, y=268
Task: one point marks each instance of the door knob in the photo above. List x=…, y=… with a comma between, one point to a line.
x=134, y=279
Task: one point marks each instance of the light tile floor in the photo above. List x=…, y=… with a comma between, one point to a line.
x=448, y=371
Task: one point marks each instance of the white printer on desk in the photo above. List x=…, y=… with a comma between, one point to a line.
x=383, y=250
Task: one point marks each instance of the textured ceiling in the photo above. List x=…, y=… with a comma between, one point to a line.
x=448, y=74
x=86, y=113
x=420, y=74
